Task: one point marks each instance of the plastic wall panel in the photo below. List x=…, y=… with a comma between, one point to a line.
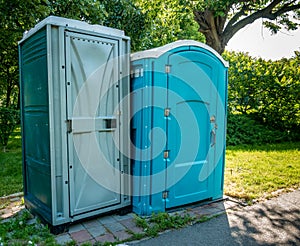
x=35, y=118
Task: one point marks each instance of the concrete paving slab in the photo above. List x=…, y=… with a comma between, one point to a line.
x=63, y=239
x=81, y=236
x=106, y=238
x=122, y=235
x=114, y=227
x=91, y=223
x=76, y=227
x=107, y=220
x=97, y=231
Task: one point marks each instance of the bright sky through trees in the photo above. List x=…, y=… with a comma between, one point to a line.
x=259, y=42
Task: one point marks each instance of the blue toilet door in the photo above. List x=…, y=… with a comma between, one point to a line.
x=191, y=108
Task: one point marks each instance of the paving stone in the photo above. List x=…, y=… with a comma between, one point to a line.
x=192, y=214
x=219, y=205
x=122, y=235
x=107, y=220
x=92, y=242
x=230, y=204
x=131, y=226
x=7, y=215
x=106, y=238
x=210, y=211
x=91, y=223
x=76, y=227
x=113, y=227
x=124, y=217
x=15, y=199
x=97, y=231
x=63, y=239
x=81, y=236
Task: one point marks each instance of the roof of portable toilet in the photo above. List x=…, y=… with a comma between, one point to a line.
x=157, y=52
x=60, y=21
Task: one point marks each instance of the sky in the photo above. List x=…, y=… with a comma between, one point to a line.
x=259, y=42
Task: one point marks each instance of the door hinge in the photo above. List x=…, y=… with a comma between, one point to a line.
x=165, y=194
x=166, y=154
x=167, y=68
x=167, y=112
x=69, y=126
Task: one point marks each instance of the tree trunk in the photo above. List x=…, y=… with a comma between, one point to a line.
x=212, y=28
x=212, y=24
x=216, y=44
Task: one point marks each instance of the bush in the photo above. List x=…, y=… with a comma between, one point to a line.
x=242, y=129
x=266, y=90
x=9, y=118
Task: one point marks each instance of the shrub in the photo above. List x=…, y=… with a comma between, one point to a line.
x=266, y=90
x=242, y=129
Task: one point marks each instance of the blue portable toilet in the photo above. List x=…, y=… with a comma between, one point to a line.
x=178, y=124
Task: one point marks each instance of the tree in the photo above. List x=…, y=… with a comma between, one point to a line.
x=220, y=20
x=120, y=14
x=17, y=16
x=167, y=21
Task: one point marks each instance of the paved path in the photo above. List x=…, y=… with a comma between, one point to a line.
x=113, y=228
x=273, y=222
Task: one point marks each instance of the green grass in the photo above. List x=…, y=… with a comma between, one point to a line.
x=257, y=172
x=11, y=166
x=162, y=221
x=19, y=231
x=252, y=172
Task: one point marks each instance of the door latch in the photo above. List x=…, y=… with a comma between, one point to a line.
x=166, y=154
x=167, y=112
x=69, y=126
x=165, y=194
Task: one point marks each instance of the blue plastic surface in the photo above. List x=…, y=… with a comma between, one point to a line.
x=178, y=126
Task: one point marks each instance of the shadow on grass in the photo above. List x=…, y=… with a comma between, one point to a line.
x=267, y=147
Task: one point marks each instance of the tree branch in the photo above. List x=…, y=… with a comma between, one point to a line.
x=238, y=15
x=286, y=8
x=263, y=13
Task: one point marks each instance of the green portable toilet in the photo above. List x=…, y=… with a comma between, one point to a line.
x=179, y=94
x=72, y=79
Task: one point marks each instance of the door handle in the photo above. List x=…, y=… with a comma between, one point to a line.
x=110, y=123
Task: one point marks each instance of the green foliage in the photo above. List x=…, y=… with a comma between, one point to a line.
x=268, y=93
x=120, y=14
x=241, y=129
x=9, y=118
x=19, y=16
x=16, y=17
x=17, y=231
x=162, y=221
x=167, y=21
x=239, y=9
x=220, y=20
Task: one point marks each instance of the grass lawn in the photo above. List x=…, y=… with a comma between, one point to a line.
x=11, y=166
x=252, y=172
x=257, y=172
